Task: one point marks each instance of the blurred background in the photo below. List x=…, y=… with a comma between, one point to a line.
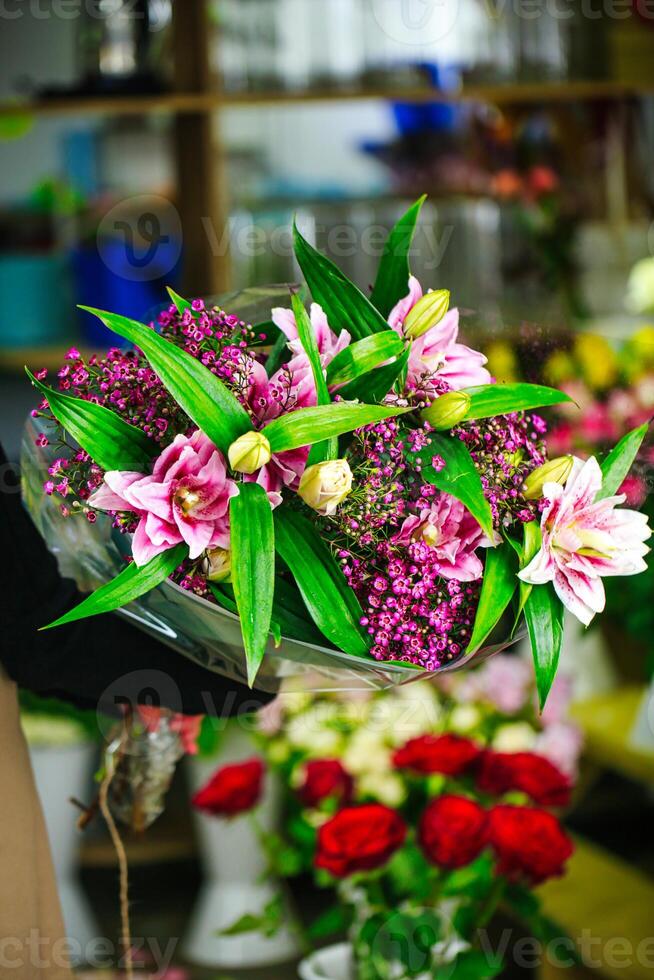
x=146, y=143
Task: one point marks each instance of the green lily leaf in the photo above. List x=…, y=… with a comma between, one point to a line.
x=344, y=304
x=498, y=585
x=332, y=604
x=544, y=615
x=131, y=583
x=532, y=540
x=376, y=384
x=305, y=426
x=617, y=464
x=501, y=399
x=363, y=356
x=459, y=477
x=211, y=405
x=392, y=282
x=181, y=304
x=328, y=449
x=253, y=569
x=113, y=443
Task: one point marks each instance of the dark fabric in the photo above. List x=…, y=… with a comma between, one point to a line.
x=97, y=660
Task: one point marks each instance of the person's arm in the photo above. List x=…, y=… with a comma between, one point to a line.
x=100, y=659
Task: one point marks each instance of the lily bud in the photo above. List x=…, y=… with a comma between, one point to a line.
x=249, y=453
x=217, y=565
x=447, y=410
x=325, y=485
x=427, y=312
x=553, y=471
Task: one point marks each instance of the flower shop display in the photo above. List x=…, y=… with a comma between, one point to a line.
x=613, y=385
x=232, y=857
x=63, y=746
x=341, y=489
x=411, y=806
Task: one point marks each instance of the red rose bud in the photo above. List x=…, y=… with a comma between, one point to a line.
x=528, y=843
x=537, y=777
x=232, y=790
x=359, y=838
x=325, y=778
x=449, y=755
x=452, y=831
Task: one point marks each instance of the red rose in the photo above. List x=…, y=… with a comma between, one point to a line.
x=324, y=778
x=450, y=755
x=452, y=831
x=232, y=790
x=528, y=842
x=501, y=772
x=359, y=838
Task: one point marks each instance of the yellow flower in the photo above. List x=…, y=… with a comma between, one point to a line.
x=502, y=361
x=558, y=367
x=597, y=360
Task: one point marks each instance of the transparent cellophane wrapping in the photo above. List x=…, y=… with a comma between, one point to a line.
x=93, y=554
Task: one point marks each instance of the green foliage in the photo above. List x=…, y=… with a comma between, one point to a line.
x=617, y=464
x=392, y=282
x=459, y=477
x=344, y=304
x=501, y=399
x=131, y=583
x=253, y=569
x=544, y=615
x=113, y=443
x=497, y=588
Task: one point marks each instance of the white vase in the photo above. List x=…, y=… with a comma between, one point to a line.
x=331, y=963
x=234, y=866
x=62, y=772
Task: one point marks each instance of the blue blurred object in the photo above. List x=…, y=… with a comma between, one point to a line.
x=111, y=282
x=80, y=153
x=37, y=302
x=414, y=117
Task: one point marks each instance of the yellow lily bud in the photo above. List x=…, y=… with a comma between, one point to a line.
x=217, y=565
x=325, y=485
x=427, y=312
x=447, y=410
x=249, y=452
x=553, y=471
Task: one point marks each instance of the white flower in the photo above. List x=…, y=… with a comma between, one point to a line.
x=640, y=287
x=464, y=718
x=325, y=485
x=518, y=736
x=385, y=787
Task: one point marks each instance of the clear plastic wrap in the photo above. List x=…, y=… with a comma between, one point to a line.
x=92, y=554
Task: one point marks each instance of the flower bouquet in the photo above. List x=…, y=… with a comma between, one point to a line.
x=344, y=489
x=420, y=831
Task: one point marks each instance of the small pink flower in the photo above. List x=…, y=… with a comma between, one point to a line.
x=584, y=540
x=436, y=355
x=329, y=345
x=186, y=499
x=454, y=534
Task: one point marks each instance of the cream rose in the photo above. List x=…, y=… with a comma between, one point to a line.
x=325, y=485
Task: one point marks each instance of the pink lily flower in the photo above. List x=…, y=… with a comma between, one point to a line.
x=436, y=356
x=447, y=527
x=186, y=499
x=329, y=345
x=585, y=540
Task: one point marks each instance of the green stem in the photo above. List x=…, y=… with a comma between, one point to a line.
x=493, y=899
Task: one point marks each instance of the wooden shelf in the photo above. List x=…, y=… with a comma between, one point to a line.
x=199, y=103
